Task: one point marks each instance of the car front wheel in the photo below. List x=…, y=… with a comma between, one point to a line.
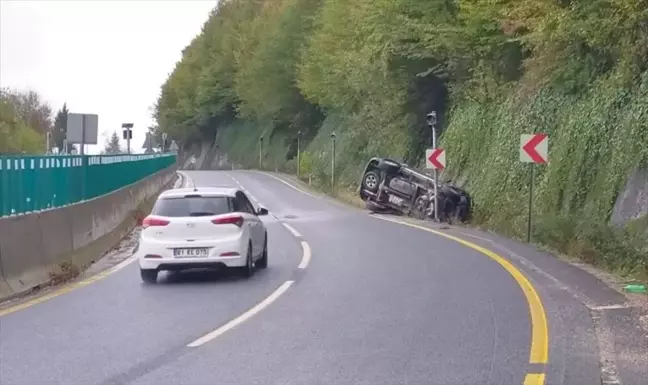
x=149, y=276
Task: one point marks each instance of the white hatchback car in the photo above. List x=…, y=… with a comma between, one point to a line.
x=202, y=228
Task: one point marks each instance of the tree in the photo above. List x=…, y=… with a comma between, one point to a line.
x=29, y=106
x=15, y=135
x=113, y=145
x=18, y=111
x=60, y=127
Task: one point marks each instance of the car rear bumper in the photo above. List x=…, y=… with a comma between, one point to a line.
x=155, y=255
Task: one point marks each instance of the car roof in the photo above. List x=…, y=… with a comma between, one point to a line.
x=203, y=191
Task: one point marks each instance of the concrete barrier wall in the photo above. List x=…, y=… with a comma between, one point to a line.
x=33, y=246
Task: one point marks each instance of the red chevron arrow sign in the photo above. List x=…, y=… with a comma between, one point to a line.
x=435, y=158
x=534, y=148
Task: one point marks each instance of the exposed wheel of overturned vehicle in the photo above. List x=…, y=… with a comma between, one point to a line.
x=371, y=180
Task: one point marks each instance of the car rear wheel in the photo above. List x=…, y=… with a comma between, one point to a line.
x=371, y=180
x=248, y=270
x=262, y=263
x=149, y=276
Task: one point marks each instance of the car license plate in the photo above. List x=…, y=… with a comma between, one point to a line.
x=191, y=253
x=395, y=200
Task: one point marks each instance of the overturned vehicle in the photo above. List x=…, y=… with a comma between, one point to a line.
x=390, y=186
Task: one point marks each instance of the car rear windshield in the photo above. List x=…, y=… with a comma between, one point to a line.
x=192, y=206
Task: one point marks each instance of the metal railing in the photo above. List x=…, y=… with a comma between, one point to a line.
x=34, y=183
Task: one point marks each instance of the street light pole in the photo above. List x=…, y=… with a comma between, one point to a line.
x=333, y=163
x=261, y=153
x=298, y=154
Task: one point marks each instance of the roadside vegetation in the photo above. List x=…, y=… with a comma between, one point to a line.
x=369, y=70
x=25, y=120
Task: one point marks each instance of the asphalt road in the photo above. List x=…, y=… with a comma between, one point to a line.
x=379, y=303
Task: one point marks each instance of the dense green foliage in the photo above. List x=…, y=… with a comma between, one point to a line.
x=24, y=121
x=369, y=70
x=59, y=131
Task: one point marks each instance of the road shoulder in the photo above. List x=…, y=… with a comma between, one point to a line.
x=107, y=263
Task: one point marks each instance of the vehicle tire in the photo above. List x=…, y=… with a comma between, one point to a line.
x=248, y=270
x=149, y=276
x=262, y=263
x=371, y=181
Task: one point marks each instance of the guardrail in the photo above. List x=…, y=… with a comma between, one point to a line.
x=34, y=183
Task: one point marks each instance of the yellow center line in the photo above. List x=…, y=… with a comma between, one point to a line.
x=539, y=353
x=534, y=379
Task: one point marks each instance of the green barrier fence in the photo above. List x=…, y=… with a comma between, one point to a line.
x=33, y=183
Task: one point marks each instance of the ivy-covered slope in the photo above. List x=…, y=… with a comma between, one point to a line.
x=369, y=70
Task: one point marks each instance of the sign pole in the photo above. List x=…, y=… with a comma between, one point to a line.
x=529, y=227
x=84, y=160
x=432, y=160
x=534, y=149
x=436, y=179
x=83, y=130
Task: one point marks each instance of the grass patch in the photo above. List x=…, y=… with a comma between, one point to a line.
x=66, y=273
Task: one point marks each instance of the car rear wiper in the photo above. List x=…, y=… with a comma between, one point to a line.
x=201, y=214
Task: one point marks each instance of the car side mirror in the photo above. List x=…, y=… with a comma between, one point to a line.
x=262, y=211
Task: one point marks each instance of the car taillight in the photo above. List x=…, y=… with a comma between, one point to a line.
x=151, y=221
x=229, y=220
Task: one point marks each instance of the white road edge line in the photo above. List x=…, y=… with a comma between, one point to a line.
x=307, y=253
x=292, y=230
x=243, y=317
x=289, y=185
x=306, y=257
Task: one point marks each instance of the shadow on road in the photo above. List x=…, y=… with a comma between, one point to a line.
x=202, y=276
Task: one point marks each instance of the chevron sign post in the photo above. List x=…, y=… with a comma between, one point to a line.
x=534, y=149
x=435, y=158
